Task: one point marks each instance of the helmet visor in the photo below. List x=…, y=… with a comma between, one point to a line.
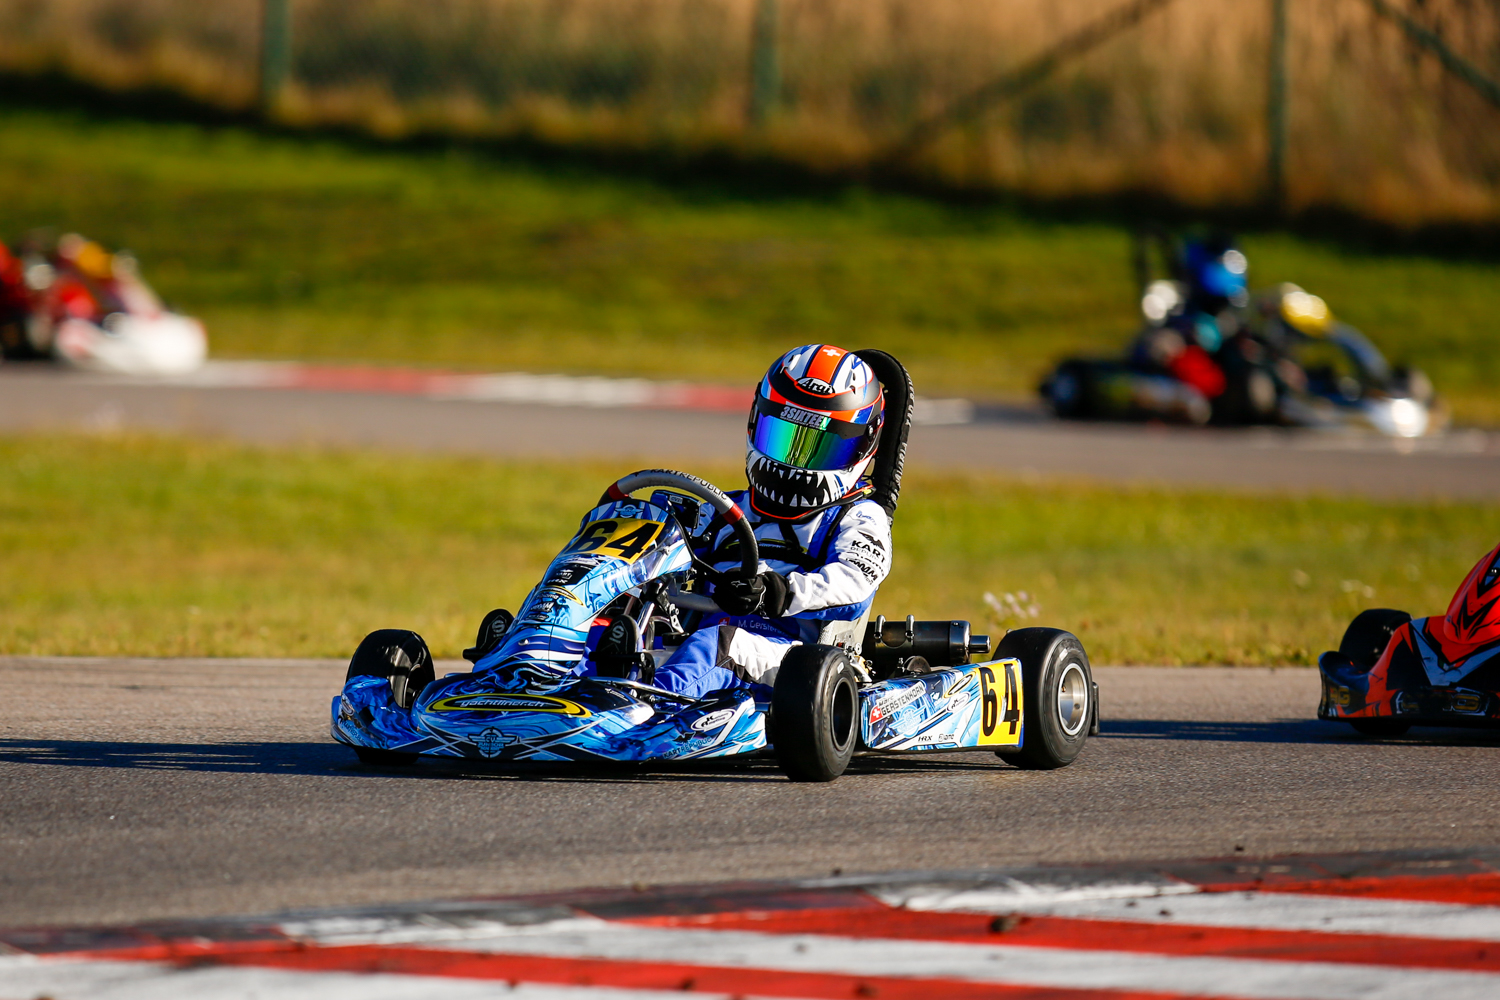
x=810, y=440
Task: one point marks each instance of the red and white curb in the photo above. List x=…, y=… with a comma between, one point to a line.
x=1350, y=927
x=505, y=387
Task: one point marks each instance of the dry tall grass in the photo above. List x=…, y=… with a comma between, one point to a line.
x=1175, y=105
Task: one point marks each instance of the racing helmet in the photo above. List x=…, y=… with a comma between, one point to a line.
x=1215, y=270
x=1473, y=619
x=813, y=429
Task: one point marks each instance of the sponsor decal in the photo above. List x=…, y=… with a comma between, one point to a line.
x=688, y=747
x=807, y=418
x=567, y=573
x=871, y=572
x=713, y=720
x=1467, y=701
x=507, y=703
x=492, y=741
x=894, y=702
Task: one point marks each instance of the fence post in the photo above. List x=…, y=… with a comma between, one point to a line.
x=1276, y=111
x=275, y=53
x=765, y=67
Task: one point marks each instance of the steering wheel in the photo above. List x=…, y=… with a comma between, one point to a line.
x=704, y=490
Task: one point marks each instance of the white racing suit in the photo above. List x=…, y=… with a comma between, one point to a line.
x=833, y=562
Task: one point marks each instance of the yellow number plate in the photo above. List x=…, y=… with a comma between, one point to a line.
x=623, y=537
x=1000, y=703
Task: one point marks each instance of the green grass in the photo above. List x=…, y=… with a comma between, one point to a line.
x=315, y=248
x=151, y=546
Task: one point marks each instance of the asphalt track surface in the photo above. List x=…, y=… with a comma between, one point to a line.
x=1013, y=440
x=141, y=789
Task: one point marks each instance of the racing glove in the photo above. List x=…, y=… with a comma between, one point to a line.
x=765, y=594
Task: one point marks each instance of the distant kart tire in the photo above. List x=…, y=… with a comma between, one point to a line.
x=1057, y=690
x=1068, y=392
x=1369, y=633
x=1249, y=397
x=402, y=658
x=815, y=712
x=1379, y=726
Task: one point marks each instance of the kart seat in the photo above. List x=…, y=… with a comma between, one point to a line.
x=885, y=471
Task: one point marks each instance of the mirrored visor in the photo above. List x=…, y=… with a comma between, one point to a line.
x=810, y=440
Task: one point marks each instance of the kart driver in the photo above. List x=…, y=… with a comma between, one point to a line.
x=824, y=545
x=1188, y=342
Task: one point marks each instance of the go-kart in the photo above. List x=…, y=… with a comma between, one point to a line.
x=537, y=691
x=1280, y=359
x=1392, y=671
x=88, y=308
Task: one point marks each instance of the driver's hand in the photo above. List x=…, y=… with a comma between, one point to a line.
x=765, y=594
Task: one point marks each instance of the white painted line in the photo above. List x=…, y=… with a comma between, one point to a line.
x=502, y=387
x=1282, y=911
x=72, y=979
x=1253, y=979
x=423, y=929
x=1012, y=894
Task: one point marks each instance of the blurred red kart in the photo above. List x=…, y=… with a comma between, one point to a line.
x=1393, y=671
x=84, y=306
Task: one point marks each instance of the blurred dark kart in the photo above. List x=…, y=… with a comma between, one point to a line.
x=1207, y=352
x=85, y=307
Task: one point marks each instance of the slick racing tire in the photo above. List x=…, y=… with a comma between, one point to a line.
x=1069, y=392
x=1369, y=633
x=1057, y=696
x=815, y=713
x=401, y=657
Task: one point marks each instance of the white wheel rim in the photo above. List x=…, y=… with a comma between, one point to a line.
x=1072, y=699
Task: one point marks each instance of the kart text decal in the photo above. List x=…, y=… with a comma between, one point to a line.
x=1000, y=704
x=623, y=537
x=507, y=703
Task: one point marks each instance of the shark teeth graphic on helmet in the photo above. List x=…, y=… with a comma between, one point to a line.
x=786, y=491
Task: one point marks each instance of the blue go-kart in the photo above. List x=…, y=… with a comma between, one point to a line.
x=537, y=692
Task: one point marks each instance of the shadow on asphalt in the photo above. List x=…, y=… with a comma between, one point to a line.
x=1286, y=731
x=328, y=759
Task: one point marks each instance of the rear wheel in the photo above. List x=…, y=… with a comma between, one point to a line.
x=1369, y=633
x=815, y=706
x=1057, y=696
x=401, y=657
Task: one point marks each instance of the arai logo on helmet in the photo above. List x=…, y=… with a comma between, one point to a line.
x=815, y=385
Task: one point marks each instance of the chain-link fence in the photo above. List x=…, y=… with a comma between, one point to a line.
x=1171, y=99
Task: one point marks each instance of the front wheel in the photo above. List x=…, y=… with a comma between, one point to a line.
x=815, y=711
x=402, y=658
x=1057, y=691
